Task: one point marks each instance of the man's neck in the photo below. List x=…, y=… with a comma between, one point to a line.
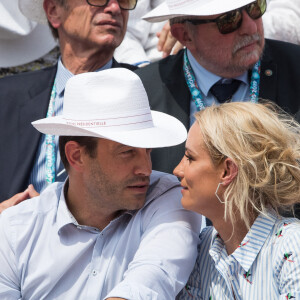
x=84, y=60
x=86, y=211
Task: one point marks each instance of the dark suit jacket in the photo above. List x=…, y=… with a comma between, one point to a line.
x=23, y=98
x=168, y=92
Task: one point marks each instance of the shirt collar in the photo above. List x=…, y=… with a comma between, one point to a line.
x=256, y=237
x=251, y=245
x=206, y=79
x=63, y=75
x=64, y=216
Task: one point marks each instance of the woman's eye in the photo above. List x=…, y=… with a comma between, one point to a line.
x=188, y=157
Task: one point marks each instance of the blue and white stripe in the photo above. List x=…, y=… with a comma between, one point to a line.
x=258, y=269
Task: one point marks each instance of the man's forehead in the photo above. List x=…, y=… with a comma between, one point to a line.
x=112, y=145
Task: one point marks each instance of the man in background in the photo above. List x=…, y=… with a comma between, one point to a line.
x=226, y=58
x=88, y=33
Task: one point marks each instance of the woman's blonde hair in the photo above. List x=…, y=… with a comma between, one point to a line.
x=264, y=144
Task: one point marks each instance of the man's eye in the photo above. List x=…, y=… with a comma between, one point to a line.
x=127, y=152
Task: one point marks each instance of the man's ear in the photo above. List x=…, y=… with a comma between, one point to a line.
x=52, y=10
x=180, y=32
x=74, y=154
x=230, y=171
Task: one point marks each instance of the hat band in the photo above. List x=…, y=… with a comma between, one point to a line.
x=136, y=121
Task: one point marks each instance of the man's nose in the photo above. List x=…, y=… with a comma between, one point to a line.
x=112, y=6
x=249, y=25
x=144, y=163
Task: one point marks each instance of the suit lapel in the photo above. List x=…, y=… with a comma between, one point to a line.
x=178, y=104
x=268, y=76
x=34, y=108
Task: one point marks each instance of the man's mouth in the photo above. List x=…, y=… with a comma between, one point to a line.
x=247, y=42
x=141, y=185
x=109, y=23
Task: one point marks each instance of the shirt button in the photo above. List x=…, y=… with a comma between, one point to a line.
x=94, y=273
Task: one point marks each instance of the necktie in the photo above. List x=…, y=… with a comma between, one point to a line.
x=224, y=91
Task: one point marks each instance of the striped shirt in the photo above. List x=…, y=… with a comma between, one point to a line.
x=266, y=265
x=38, y=173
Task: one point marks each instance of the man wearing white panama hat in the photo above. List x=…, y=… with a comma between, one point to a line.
x=113, y=230
x=225, y=44
x=88, y=32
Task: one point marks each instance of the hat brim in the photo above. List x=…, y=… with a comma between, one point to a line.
x=209, y=8
x=33, y=10
x=25, y=49
x=167, y=131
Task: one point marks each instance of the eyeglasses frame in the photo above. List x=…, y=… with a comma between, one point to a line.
x=205, y=21
x=107, y=1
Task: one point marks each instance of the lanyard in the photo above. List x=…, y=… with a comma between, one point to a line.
x=50, y=142
x=196, y=93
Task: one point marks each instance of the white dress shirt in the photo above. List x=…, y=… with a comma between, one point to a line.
x=143, y=254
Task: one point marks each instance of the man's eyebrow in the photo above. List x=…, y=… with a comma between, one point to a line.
x=120, y=146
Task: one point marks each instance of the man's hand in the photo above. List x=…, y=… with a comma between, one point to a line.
x=30, y=192
x=166, y=41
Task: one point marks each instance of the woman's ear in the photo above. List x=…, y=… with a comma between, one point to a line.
x=230, y=171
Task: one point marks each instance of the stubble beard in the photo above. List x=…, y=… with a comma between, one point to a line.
x=108, y=193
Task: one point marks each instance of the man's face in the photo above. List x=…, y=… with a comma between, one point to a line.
x=86, y=26
x=231, y=54
x=118, y=177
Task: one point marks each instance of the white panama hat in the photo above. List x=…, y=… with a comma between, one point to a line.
x=113, y=104
x=21, y=41
x=180, y=8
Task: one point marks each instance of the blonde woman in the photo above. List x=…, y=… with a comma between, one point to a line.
x=241, y=170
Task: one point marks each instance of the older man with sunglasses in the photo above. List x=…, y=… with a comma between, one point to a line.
x=88, y=32
x=226, y=58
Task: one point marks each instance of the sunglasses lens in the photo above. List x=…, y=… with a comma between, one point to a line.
x=124, y=4
x=256, y=9
x=127, y=4
x=229, y=22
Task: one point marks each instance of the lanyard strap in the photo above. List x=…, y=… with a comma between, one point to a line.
x=50, y=142
x=196, y=93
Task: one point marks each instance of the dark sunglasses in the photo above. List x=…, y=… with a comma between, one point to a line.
x=232, y=20
x=124, y=4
